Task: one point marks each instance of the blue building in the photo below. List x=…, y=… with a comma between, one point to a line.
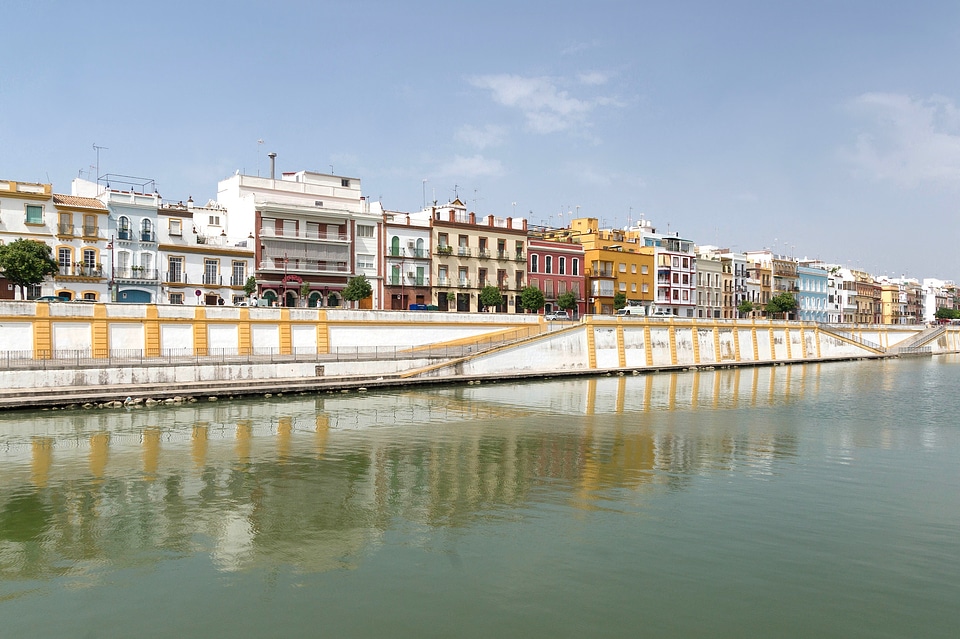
x=812, y=302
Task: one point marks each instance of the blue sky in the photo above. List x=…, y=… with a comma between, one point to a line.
x=826, y=129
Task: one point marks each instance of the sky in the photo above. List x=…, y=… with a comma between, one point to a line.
x=827, y=129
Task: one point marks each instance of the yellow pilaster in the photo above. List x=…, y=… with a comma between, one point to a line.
x=151, y=332
x=286, y=340
x=42, y=338
x=736, y=344
x=100, y=344
x=591, y=346
x=647, y=349
x=200, y=331
x=695, y=337
x=621, y=347
x=243, y=332
x=673, y=344
x=817, y=341
x=803, y=344
x=786, y=340
x=716, y=344
x=773, y=342
x=756, y=344
x=323, y=333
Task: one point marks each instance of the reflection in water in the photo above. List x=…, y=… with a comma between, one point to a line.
x=315, y=482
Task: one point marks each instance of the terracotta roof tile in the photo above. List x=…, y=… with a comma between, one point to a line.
x=75, y=200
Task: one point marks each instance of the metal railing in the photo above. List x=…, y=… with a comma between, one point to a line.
x=135, y=273
x=97, y=358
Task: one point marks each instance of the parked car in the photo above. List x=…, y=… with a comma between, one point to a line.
x=556, y=315
x=631, y=310
x=51, y=298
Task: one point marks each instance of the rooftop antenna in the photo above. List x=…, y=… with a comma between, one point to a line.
x=259, y=142
x=97, y=149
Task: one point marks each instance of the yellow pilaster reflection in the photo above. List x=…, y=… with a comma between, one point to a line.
x=198, y=445
x=151, y=453
x=244, y=435
x=756, y=381
x=647, y=392
x=41, y=460
x=591, y=396
x=672, y=395
x=322, y=431
x=621, y=394
x=99, y=454
x=695, y=390
x=735, y=397
x=284, y=430
x=716, y=388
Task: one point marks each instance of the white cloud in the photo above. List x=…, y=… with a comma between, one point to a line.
x=470, y=167
x=490, y=135
x=907, y=141
x=546, y=108
x=593, y=78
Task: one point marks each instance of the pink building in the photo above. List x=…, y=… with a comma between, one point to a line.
x=556, y=268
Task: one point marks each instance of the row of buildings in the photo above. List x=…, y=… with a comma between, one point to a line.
x=299, y=238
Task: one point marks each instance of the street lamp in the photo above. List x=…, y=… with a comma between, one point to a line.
x=112, y=285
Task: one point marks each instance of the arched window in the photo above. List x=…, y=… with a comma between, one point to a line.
x=123, y=228
x=420, y=252
x=395, y=245
x=146, y=230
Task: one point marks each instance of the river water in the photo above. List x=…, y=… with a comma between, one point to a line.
x=789, y=501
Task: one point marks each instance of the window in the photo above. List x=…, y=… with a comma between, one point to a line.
x=622, y=267
x=623, y=287
x=364, y=261
x=344, y=182
x=64, y=259
x=548, y=264
x=237, y=299
x=562, y=265
x=534, y=263
x=210, y=268
x=89, y=258
x=34, y=214
x=146, y=231
x=633, y=288
x=576, y=267
x=364, y=230
x=90, y=296
x=633, y=268
x=213, y=220
x=65, y=224
x=646, y=288
x=442, y=239
x=239, y=275
x=90, y=226
x=176, y=298
x=175, y=227
x=175, y=270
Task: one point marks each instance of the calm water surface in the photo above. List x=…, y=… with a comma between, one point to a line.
x=800, y=501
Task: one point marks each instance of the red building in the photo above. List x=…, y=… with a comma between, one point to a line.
x=556, y=268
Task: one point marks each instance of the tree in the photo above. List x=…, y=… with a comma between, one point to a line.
x=250, y=286
x=619, y=301
x=567, y=301
x=531, y=298
x=358, y=288
x=781, y=304
x=26, y=262
x=745, y=307
x=947, y=313
x=490, y=296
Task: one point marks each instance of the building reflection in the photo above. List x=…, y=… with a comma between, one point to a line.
x=314, y=482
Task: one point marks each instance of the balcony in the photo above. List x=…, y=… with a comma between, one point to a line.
x=238, y=280
x=483, y=254
x=66, y=229
x=519, y=257
x=212, y=279
x=91, y=231
x=304, y=268
x=463, y=283
x=503, y=255
x=463, y=251
x=135, y=273
x=443, y=280
x=176, y=277
x=81, y=270
x=303, y=235
x=123, y=234
x=148, y=236
x=444, y=249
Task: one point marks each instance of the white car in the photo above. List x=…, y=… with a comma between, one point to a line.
x=556, y=315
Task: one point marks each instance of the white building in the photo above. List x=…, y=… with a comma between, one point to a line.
x=313, y=232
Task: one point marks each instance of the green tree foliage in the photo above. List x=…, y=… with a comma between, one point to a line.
x=26, y=262
x=250, y=286
x=358, y=288
x=947, y=313
x=619, y=300
x=532, y=299
x=567, y=301
x=490, y=296
x=781, y=304
x=745, y=307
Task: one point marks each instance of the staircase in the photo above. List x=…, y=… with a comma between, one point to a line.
x=915, y=345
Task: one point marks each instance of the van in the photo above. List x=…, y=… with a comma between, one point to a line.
x=631, y=310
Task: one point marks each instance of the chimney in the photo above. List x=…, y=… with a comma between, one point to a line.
x=273, y=165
